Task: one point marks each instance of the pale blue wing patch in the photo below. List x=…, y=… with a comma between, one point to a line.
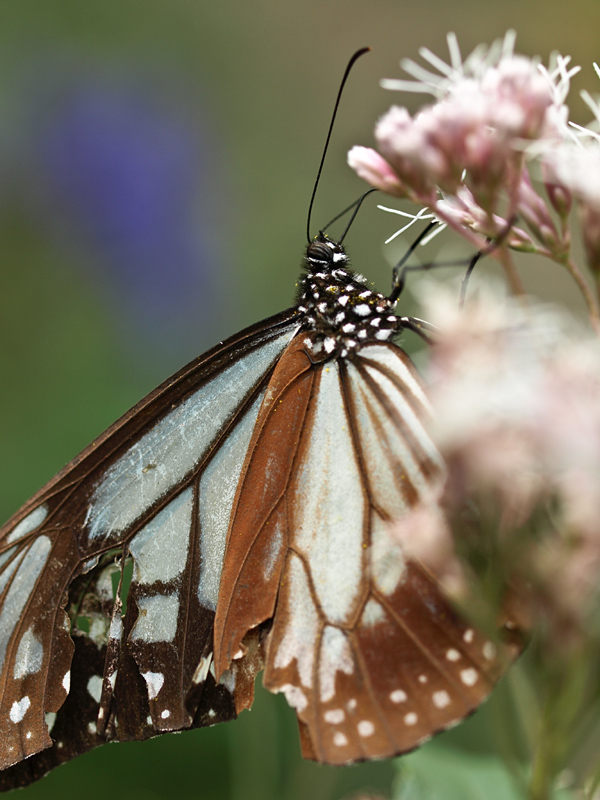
x=171, y=450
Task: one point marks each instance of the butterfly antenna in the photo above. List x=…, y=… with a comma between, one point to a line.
x=352, y=205
x=351, y=63
x=358, y=204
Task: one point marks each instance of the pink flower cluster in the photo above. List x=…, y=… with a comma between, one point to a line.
x=495, y=155
x=517, y=396
x=473, y=136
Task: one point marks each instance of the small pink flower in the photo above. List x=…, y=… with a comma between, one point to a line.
x=518, y=95
x=373, y=168
x=490, y=110
x=536, y=213
x=406, y=150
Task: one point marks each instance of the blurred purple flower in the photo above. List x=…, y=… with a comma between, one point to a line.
x=126, y=169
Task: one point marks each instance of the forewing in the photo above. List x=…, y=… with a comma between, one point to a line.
x=149, y=500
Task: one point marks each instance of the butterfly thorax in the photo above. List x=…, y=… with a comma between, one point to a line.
x=337, y=305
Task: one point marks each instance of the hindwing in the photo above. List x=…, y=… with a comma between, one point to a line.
x=359, y=638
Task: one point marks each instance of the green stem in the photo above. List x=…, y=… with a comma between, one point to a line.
x=542, y=773
x=564, y=700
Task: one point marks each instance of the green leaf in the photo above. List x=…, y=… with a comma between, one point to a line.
x=438, y=772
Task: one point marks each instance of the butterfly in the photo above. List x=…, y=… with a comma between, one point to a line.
x=238, y=519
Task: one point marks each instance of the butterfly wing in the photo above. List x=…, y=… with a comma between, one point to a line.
x=362, y=641
x=154, y=492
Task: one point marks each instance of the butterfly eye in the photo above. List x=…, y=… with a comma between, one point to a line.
x=319, y=252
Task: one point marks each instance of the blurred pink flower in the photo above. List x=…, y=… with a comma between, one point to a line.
x=517, y=396
x=425, y=536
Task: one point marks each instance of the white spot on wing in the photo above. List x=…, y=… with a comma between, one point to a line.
x=275, y=545
x=30, y=655
x=116, y=628
x=227, y=680
x=365, y=728
x=468, y=635
x=4, y=557
x=489, y=650
x=335, y=716
x=388, y=565
x=452, y=654
x=66, y=681
x=398, y=696
x=157, y=620
x=202, y=669
x=339, y=739
x=295, y=696
x=335, y=657
x=94, y=687
x=441, y=699
x=372, y=614
x=469, y=676
x=50, y=718
x=410, y=718
x=154, y=681
x=19, y=709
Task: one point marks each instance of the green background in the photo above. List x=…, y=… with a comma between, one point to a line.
x=249, y=88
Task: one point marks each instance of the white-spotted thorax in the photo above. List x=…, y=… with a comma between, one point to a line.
x=337, y=305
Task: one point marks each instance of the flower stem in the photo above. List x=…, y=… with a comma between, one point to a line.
x=541, y=782
x=512, y=276
x=586, y=291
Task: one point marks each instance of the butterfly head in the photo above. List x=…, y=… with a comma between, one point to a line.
x=323, y=253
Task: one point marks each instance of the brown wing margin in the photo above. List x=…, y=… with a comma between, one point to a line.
x=39, y=578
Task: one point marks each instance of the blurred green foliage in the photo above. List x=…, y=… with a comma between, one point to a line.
x=257, y=82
